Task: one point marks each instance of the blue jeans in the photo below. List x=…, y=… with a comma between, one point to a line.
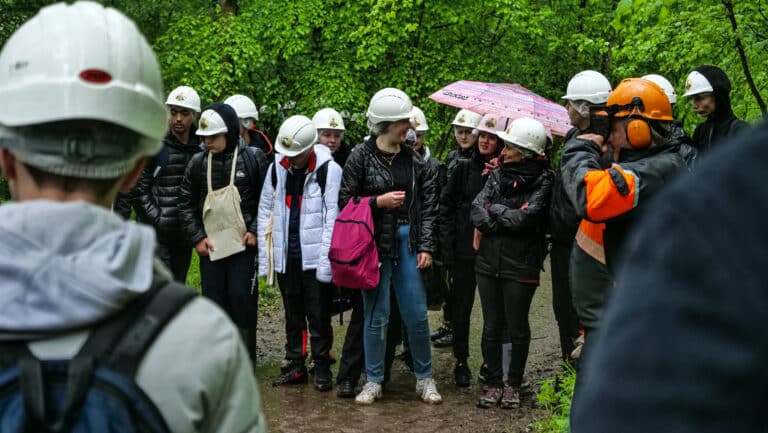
x=402, y=276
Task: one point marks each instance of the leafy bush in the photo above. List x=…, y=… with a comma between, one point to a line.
x=556, y=395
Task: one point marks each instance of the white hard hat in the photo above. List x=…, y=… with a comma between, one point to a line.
x=589, y=86
x=492, y=123
x=211, y=123
x=697, y=83
x=328, y=118
x=244, y=106
x=389, y=105
x=526, y=133
x=184, y=97
x=418, y=120
x=81, y=62
x=665, y=85
x=467, y=119
x=296, y=135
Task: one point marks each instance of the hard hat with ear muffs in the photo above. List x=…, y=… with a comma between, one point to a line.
x=639, y=101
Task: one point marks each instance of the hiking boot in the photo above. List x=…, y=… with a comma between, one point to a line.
x=444, y=341
x=578, y=347
x=293, y=374
x=482, y=376
x=510, y=398
x=427, y=388
x=285, y=365
x=461, y=374
x=323, y=377
x=345, y=389
x=491, y=397
x=370, y=393
x=439, y=333
x=311, y=368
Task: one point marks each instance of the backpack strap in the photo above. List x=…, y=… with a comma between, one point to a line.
x=322, y=176
x=273, y=175
x=121, y=343
x=251, y=166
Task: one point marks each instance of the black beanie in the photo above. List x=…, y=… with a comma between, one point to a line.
x=722, y=90
x=229, y=115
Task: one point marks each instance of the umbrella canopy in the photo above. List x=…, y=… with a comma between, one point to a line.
x=510, y=100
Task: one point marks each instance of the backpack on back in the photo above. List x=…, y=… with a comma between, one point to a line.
x=96, y=390
x=353, y=254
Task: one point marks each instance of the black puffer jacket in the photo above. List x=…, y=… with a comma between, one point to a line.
x=460, y=153
x=365, y=175
x=156, y=195
x=464, y=181
x=250, y=169
x=511, y=212
x=722, y=123
x=194, y=188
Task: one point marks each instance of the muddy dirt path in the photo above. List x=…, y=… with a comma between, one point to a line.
x=303, y=409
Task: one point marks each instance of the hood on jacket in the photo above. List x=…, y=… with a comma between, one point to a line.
x=321, y=155
x=68, y=265
x=722, y=90
x=229, y=116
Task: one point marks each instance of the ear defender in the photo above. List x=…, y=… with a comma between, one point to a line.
x=638, y=133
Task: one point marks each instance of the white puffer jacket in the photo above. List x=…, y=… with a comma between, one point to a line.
x=318, y=215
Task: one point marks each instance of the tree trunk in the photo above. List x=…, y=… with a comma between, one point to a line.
x=228, y=7
x=743, y=57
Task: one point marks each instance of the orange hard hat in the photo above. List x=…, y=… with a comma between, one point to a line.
x=641, y=98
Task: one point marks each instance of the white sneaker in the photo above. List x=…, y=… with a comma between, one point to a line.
x=428, y=390
x=370, y=393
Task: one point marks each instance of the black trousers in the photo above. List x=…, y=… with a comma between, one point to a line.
x=232, y=283
x=352, y=360
x=462, y=298
x=505, y=302
x=176, y=256
x=306, y=305
x=562, y=301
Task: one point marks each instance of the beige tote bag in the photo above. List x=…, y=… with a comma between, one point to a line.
x=222, y=217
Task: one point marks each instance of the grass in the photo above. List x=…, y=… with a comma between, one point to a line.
x=269, y=296
x=555, y=396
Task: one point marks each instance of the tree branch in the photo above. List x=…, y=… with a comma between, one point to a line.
x=743, y=57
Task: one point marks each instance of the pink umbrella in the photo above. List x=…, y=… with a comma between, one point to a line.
x=510, y=100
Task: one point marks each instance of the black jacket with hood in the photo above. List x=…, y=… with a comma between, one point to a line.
x=722, y=123
x=511, y=212
x=365, y=175
x=463, y=182
x=250, y=169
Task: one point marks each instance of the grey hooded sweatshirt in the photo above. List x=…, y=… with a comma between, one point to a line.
x=64, y=266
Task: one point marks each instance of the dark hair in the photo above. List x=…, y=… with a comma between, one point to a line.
x=69, y=184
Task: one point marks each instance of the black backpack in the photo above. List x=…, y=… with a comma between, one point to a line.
x=96, y=390
x=322, y=176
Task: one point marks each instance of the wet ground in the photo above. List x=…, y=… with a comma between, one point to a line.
x=301, y=408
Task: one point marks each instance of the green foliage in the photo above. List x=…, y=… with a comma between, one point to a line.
x=556, y=395
x=299, y=56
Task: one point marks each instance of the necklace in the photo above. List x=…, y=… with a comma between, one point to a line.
x=388, y=159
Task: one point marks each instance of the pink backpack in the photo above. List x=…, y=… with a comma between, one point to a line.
x=353, y=254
